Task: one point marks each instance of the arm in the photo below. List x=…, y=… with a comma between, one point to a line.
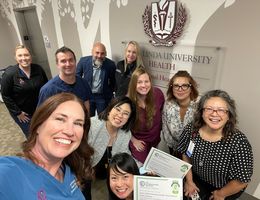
x=138, y=144
x=7, y=84
x=232, y=187
x=45, y=78
x=79, y=69
x=112, y=77
x=165, y=129
x=42, y=96
x=46, y=91
x=23, y=117
x=86, y=103
x=189, y=186
x=116, y=79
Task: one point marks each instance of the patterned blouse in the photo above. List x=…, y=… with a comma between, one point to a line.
x=219, y=162
x=172, y=125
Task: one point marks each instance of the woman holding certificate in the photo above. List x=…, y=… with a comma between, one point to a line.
x=178, y=109
x=220, y=154
x=149, y=101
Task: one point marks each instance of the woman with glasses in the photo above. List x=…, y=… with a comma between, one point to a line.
x=149, y=101
x=220, y=154
x=110, y=134
x=178, y=109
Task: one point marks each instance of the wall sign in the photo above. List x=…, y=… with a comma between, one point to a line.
x=202, y=62
x=164, y=22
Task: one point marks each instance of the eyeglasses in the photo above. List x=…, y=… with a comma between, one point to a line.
x=184, y=87
x=219, y=111
x=124, y=113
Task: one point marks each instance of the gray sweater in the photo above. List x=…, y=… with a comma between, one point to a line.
x=99, y=138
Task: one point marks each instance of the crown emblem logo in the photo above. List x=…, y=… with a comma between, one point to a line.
x=164, y=22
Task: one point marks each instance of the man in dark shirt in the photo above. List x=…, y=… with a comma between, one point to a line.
x=66, y=81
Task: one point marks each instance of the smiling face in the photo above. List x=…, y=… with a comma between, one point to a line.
x=66, y=63
x=121, y=183
x=179, y=92
x=143, y=85
x=131, y=53
x=119, y=115
x=61, y=133
x=23, y=57
x=215, y=120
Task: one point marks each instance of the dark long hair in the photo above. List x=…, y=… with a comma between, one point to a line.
x=118, y=101
x=194, y=86
x=149, y=101
x=230, y=126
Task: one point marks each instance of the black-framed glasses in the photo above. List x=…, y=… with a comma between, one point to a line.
x=183, y=86
x=219, y=111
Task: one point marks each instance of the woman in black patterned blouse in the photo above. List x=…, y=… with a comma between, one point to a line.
x=220, y=154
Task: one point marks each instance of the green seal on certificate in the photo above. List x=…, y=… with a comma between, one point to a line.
x=184, y=168
x=175, y=187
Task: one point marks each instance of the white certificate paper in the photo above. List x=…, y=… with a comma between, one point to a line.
x=165, y=165
x=157, y=188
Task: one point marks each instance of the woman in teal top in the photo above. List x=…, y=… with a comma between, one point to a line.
x=56, y=156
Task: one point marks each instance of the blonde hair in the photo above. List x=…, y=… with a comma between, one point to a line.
x=149, y=101
x=139, y=60
x=21, y=46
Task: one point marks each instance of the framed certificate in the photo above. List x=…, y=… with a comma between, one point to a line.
x=157, y=188
x=165, y=165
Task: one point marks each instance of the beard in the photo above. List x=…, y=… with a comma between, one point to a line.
x=98, y=62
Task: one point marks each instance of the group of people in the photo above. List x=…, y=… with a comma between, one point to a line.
x=68, y=144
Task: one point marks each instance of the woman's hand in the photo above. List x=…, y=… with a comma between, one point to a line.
x=138, y=144
x=23, y=117
x=189, y=188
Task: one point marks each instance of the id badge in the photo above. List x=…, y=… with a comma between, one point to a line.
x=190, y=149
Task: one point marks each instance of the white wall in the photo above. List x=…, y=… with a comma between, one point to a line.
x=237, y=28
x=8, y=42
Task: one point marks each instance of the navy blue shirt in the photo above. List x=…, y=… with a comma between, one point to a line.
x=54, y=86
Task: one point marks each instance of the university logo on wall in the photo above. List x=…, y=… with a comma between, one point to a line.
x=164, y=22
